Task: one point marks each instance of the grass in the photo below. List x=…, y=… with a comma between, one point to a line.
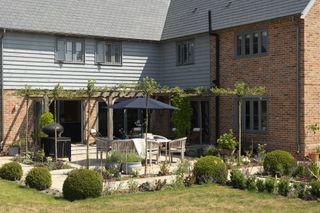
x=211, y=198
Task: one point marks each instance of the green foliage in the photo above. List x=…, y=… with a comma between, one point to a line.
x=227, y=140
x=115, y=157
x=148, y=86
x=279, y=162
x=46, y=119
x=315, y=188
x=159, y=185
x=251, y=183
x=164, y=169
x=237, y=179
x=11, y=171
x=91, y=89
x=260, y=185
x=130, y=157
x=39, y=178
x=241, y=89
x=181, y=118
x=210, y=169
x=82, y=184
x=212, y=151
x=39, y=155
x=284, y=186
x=314, y=128
x=133, y=186
x=270, y=184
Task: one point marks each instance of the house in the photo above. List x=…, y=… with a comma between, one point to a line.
x=270, y=43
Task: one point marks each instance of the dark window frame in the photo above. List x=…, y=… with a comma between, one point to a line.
x=181, y=52
x=74, y=52
x=251, y=101
x=243, y=43
x=112, y=44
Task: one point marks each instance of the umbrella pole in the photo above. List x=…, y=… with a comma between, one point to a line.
x=145, y=138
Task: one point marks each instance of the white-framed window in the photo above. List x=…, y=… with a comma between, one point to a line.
x=185, y=52
x=109, y=53
x=255, y=114
x=251, y=43
x=69, y=50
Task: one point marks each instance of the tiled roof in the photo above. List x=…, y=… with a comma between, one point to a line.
x=139, y=19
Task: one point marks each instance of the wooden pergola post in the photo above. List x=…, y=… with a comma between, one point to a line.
x=110, y=118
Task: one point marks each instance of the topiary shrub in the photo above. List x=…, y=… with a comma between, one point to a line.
x=315, y=188
x=251, y=183
x=39, y=178
x=270, y=184
x=82, y=184
x=284, y=186
x=279, y=163
x=11, y=171
x=260, y=185
x=210, y=169
x=237, y=179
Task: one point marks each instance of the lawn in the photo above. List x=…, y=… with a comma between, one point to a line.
x=210, y=198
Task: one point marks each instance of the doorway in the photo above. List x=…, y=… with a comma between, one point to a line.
x=200, y=128
x=70, y=116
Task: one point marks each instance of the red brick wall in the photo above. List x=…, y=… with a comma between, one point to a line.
x=311, y=77
x=15, y=119
x=276, y=71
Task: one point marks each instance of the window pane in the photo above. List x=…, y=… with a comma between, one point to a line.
x=263, y=115
x=117, y=54
x=69, y=52
x=190, y=52
x=255, y=43
x=255, y=115
x=108, y=53
x=264, y=41
x=247, y=115
x=79, y=55
x=247, y=44
x=185, y=53
x=179, y=54
x=239, y=45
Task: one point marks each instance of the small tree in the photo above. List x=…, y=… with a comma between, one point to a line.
x=240, y=90
x=26, y=92
x=90, y=91
x=148, y=86
x=56, y=93
x=181, y=118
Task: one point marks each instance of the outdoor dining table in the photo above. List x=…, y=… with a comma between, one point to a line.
x=140, y=145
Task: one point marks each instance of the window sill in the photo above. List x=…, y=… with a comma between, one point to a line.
x=109, y=65
x=179, y=65
x=63, y=62
x=254, y=131
x=251, y=56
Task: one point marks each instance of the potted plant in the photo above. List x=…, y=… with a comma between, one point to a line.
x=113, y=161
x=314, y=156
x=130, y=162
x=14, y=149
x=227, y=143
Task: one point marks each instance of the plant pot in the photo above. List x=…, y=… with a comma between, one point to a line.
x=112, y=165
x=130, y=167
x=314, y=156
x=13, y=151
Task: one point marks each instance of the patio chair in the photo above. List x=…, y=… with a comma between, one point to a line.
x=177, y=146
x=103, y=145
x=153, y=149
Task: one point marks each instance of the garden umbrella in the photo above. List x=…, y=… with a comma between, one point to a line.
x=143, y=103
